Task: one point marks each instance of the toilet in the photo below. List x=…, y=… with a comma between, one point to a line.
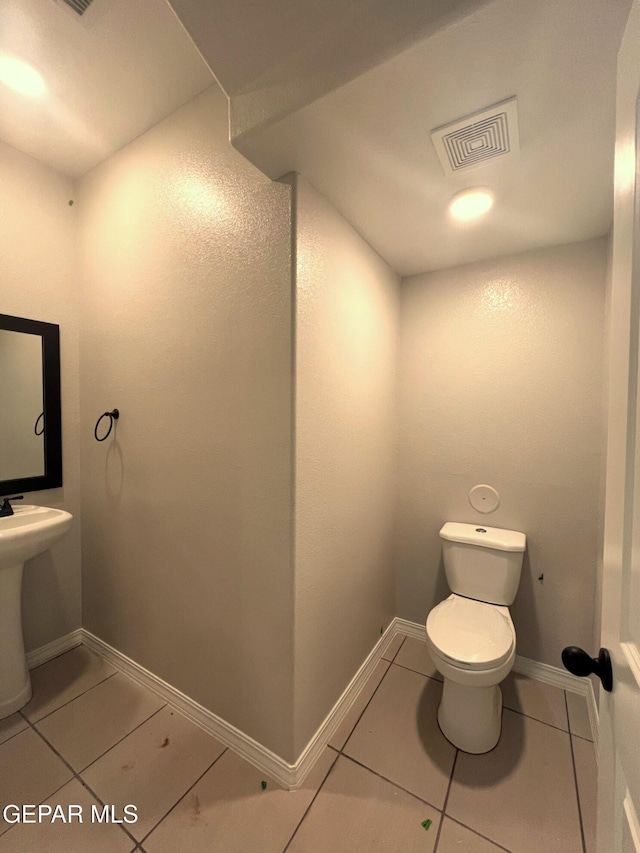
x=470, y=635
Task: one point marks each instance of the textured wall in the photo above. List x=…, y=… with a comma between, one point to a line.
x=186, y=318
x=346, y=335
x=500, y=382
x=37, y=281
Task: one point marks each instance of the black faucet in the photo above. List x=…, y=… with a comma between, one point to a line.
x=6, y=508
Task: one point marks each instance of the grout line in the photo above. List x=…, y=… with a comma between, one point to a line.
x=190, y=788
x=582, y=737
x=479, y=834
x=391, y=782
x=11, y=737
x=571, y=732
x=395, y=654
x=446, y=799
x=417, y=672
x=306, y=812
x=529, y=717
x=79, y=778
x=365, y=708
x=64, y=704
x=135, y=728
x=575, y=781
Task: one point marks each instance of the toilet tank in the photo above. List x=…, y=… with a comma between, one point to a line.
x=483, y=563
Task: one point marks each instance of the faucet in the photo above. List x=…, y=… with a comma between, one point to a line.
x=6, y=508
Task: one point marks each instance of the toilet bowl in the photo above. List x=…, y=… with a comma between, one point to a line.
x=473, y=646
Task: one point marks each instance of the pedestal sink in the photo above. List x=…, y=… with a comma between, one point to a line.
x=29, y=531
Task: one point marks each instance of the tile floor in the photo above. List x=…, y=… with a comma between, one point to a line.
x=91, y=737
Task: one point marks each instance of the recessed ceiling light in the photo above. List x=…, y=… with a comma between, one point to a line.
x=470, y=204
x=20, y=76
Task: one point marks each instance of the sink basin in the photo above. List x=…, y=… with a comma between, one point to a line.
x=29, y=531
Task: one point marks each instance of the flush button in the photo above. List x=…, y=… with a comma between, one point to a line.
x=480, y=530
x=484, y=498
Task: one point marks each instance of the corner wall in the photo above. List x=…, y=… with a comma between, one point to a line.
x=346, y=337
x=500, y=378
x=186, y=319
x=38, y=282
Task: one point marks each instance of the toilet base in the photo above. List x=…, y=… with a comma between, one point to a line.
x=471, y=717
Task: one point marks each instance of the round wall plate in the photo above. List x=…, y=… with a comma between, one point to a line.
x=484, y=498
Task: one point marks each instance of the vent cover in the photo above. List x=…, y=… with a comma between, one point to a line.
x=79, y=6
x=477, y=138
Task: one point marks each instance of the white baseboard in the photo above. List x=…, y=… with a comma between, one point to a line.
x=339, y=711
x=409, y=629
x=209, y=722
x=288, y=775
x=551, y=675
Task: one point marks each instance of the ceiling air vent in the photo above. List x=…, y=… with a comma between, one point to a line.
x=477, y=138
x=79, y=6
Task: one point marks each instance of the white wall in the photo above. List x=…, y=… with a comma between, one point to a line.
x=500, y=383
x=346, y=334
x=37, y=281
x=186, y=321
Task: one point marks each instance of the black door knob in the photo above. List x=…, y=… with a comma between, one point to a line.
x=578, y=662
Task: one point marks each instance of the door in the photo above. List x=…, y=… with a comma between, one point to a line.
x=619, y=741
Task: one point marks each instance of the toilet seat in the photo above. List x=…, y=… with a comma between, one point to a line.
x=471, y=634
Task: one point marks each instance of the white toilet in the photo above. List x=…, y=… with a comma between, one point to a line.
x=470, y=635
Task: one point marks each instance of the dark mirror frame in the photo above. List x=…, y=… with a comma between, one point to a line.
x=50, y=334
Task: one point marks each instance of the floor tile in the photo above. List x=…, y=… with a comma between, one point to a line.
x=587, y=776
x=414, y=654
x=153, y=767
x=398, y=735
x=543, y=702
x=521, y=794
x=393, y=647
x=30, y=771
x=72, y=836
x=229, y=811
x=64, y=678
x=339, y=737
x=578, y=715
x=458, y=839
x=10, y=726
x=358, y=812
x=90, y=725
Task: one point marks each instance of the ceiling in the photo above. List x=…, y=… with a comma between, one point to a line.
x=107, y=73
x=347, y=92
x=273, y=57
x=367, y=145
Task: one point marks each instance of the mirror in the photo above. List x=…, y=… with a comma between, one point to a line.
x=30, y=422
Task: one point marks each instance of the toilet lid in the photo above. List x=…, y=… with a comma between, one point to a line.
x=470, y=633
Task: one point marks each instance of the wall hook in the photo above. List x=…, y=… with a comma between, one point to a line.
x=113, y=416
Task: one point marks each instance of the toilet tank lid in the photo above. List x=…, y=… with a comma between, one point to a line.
x=484, y=537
